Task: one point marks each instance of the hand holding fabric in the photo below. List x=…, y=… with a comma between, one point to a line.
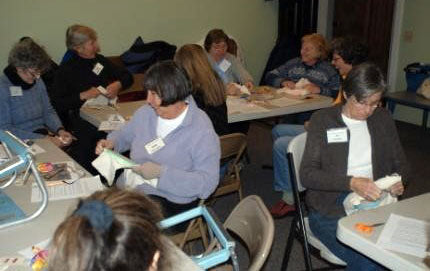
x=89, y=94
x=313, y=88
x=365, y=187
x=102, y=144
x=397, y=189
x=113, y=89
x=65, y=137
x=148, y=170
x=289, y=84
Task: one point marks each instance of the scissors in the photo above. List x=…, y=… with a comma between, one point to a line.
x=367, y=228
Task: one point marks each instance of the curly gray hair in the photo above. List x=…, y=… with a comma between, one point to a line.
x=79, y=34
x=28, y=54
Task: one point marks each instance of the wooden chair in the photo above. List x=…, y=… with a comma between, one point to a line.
x=232, y=148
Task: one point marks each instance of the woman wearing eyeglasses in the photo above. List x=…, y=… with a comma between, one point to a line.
x=348, y=147
x=25, y=109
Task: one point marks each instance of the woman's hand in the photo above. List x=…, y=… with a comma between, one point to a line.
x=88, y=94
x=288, y=84
x=249, y=85
x=113, y=89
x=313, y=88
x=397, y=189
x=104, y=144
x=148, y=170
x=55, y=140
x=365, y=187
x=232, y=90
x=65, y=137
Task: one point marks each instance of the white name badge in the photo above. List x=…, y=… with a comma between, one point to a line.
x=98, y=68
x=337, y=135
x=155, y=145
x=224, y=65
x=15, y=91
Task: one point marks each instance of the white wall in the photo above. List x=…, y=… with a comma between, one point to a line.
x=118, y=23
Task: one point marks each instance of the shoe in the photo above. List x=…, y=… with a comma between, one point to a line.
x=281, y=209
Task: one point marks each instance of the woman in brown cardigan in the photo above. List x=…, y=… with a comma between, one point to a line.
x=348, y=146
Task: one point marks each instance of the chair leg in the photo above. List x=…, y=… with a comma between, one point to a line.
x=290, y=241
x=425, y=117
x=240, y=193
x=203, y=233
x=305, y=245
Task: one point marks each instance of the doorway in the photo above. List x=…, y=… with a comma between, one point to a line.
x=369, y=21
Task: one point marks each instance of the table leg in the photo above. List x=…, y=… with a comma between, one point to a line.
x=425, y=117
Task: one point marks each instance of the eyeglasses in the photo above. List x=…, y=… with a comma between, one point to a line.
x=364, y=104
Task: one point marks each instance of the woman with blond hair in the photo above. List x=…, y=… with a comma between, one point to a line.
x=312, y=65
x=208, y=88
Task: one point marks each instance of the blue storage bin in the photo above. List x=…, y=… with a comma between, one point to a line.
x=416, y=73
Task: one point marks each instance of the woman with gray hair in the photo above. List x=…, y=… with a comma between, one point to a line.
x=25, y=109
x=78, y=80
x=348, y=147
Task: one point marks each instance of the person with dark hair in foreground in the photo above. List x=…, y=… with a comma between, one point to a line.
x=115, y=230
x=367, y=148
x=172, y=140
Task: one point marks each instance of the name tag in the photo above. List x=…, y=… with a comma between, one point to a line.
x=224, y=65
x=15, y=91
x=337, y=135
x=155, y=145
x=98, y=68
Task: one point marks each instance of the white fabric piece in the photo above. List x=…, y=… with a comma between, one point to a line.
x=299, y=89
x=109, y=161
x=165, y=126
x=243, y=89
x=132, y=179
x=99, y=101
x=302, y=83
x=353, y=199
x=360, y=149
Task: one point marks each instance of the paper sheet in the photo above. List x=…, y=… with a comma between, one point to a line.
x=81, y=188
x=406, y=235
x=115, y=122
x=99, y=101
x=238, y=105
x=14, y=264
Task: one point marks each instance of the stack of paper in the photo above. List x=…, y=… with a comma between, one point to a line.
x=81, y=188
x=406, y=235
